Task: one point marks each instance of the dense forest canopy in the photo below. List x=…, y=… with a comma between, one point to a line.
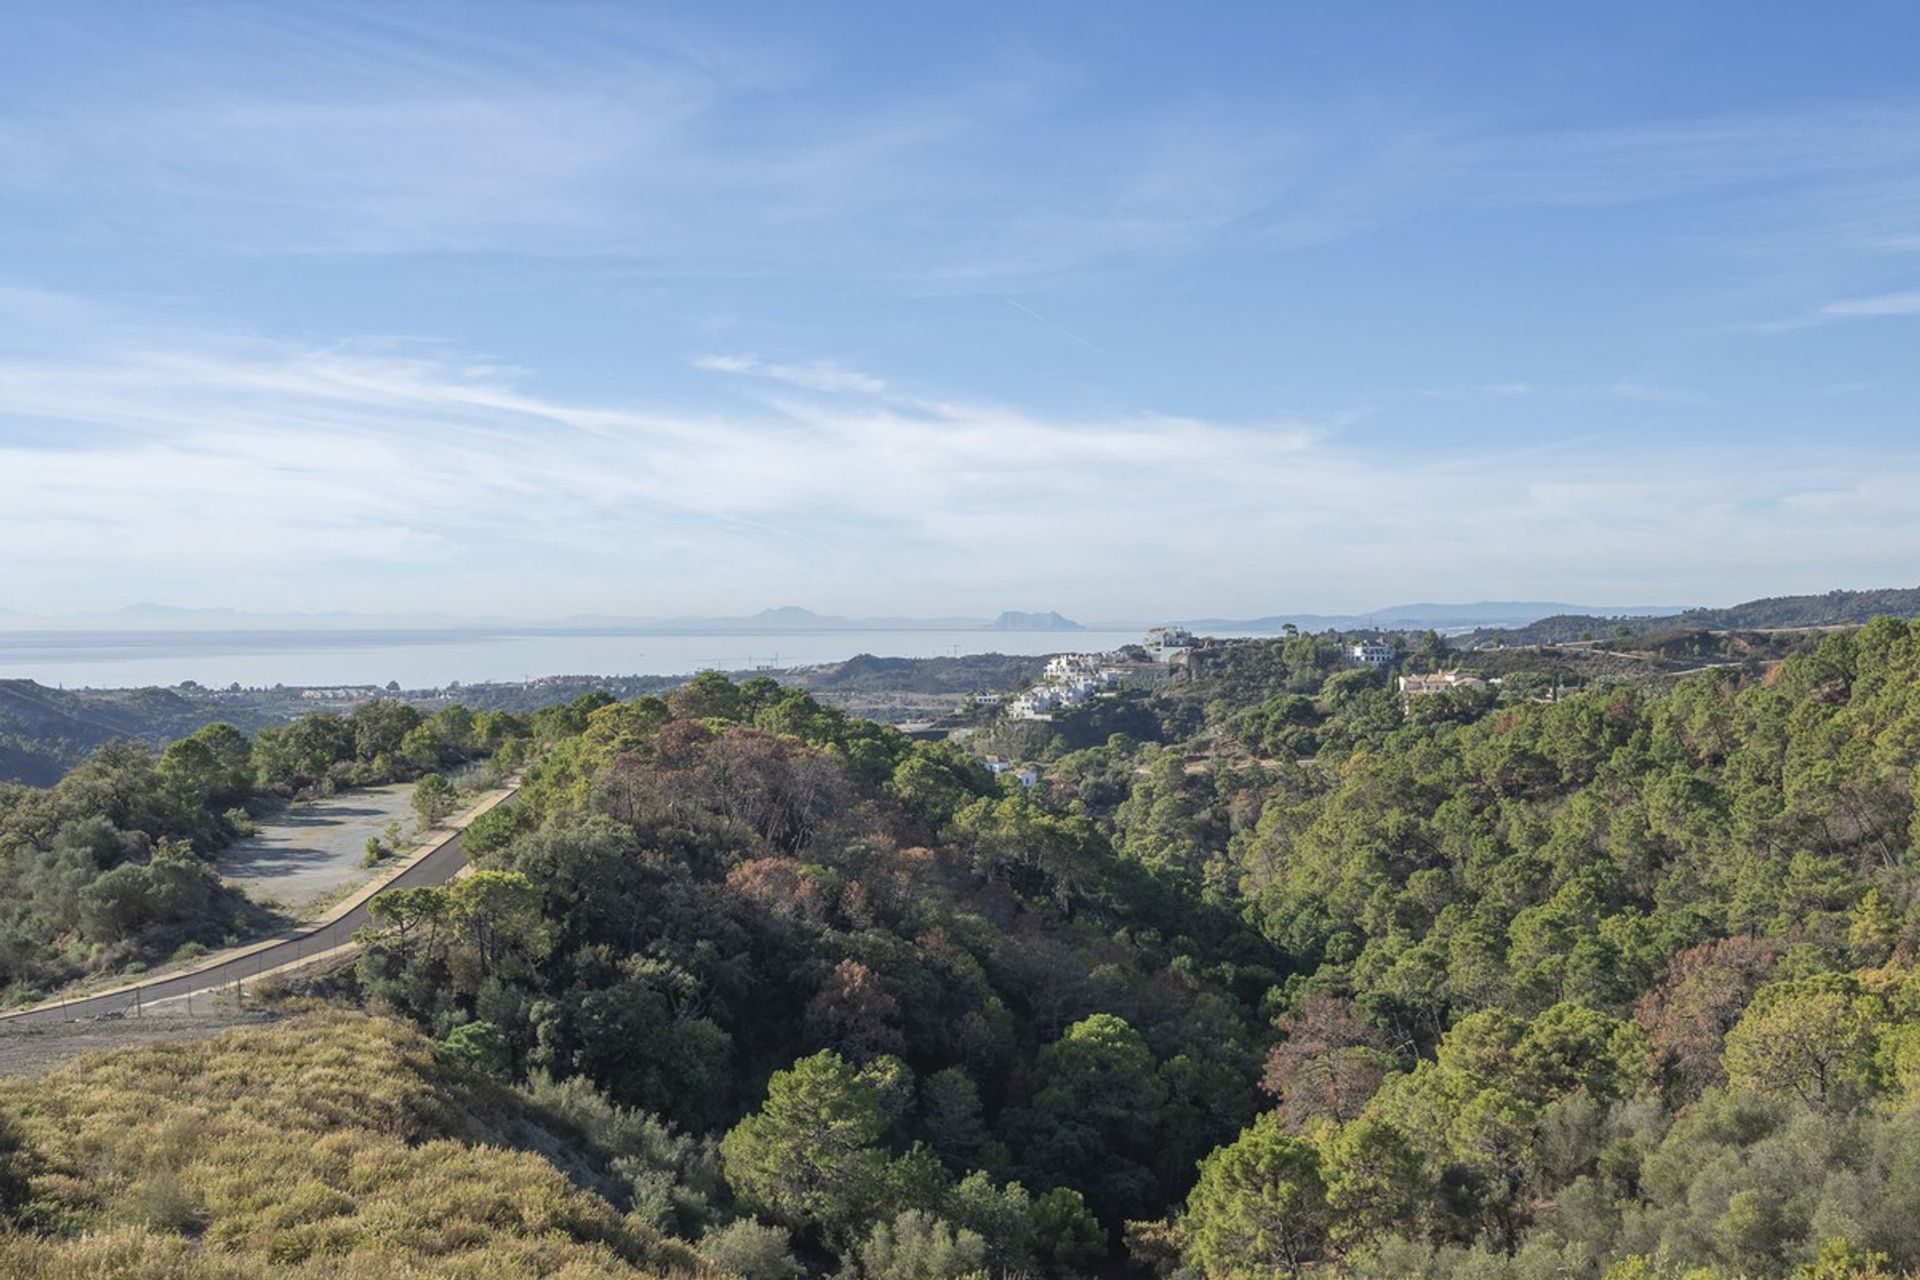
x=1302, y=975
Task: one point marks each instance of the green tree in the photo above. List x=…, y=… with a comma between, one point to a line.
x=708, y=696
x=916, y=1245
x=1841, y=1259
x=1811, y=1039
x=809, y=1157
x=1042, y=855
x=1003, y=1216
x=434, y=799
x=212, y=767
x=1376, y=1181
x=1065, y=1232
x=1492, y=1140
x=1094, y=1121
x=497, y=914
x=1259, y=1206
x=1100, y=1068
x=479, y=1045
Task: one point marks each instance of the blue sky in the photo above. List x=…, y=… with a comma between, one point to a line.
x=1118, y=309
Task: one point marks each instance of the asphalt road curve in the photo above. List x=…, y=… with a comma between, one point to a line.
x=436, y=867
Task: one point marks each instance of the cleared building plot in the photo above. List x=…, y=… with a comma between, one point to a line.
x=312, y=852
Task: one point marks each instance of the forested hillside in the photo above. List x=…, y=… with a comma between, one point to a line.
x=44, y=732
x=1494, y=966
x=1619, y=984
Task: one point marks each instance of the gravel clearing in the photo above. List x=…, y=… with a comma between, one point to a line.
x=310, y=854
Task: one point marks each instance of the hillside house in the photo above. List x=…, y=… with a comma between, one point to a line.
x=1169, y=644
x=1438, y=682
x=1371, y=653
x=1066, y=668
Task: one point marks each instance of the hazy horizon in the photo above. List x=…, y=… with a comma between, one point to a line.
x=155, y=613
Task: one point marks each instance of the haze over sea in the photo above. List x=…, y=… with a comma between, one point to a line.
x=425, y=658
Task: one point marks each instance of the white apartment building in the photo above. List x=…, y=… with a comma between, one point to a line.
x=1372, y=653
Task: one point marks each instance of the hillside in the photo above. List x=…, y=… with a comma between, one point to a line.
x=44, y=732
x=334, y=1145
x=1615, y=981
x=1018, y=620
x=1833, y=609
x=865, y=673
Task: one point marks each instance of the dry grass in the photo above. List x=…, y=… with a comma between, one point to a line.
x=332, y=1145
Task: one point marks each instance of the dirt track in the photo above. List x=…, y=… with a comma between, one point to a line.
x=40, y=1048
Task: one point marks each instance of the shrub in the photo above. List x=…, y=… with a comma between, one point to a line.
x=918, y=1246
x=752, y=1251
x=480, y=1046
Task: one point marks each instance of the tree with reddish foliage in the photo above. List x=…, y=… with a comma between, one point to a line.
x=1700, y=998
x=855, y=1014
x=682, y=744
x=784, y=790
x=1328, y=1063
x=777, y=887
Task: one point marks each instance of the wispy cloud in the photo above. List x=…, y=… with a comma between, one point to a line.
x=654, y=143
x=1886, y=304
x=150, y=461
x=642, y=141
x=1476, y=391
x=1629, y=389
x=1872, y=307
x=1623, y=389
x=817, y=375
x=1656, y=160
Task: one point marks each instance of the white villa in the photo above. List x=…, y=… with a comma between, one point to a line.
x=1438, y=682
x=1169, y=644
x=1372, y=653
x=1064, y=668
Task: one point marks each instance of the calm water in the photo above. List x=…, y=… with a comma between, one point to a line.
x=428, y=659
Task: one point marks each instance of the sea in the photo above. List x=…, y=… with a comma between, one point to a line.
x=431, y=659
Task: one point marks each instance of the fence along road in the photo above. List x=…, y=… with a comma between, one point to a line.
x=230, y=973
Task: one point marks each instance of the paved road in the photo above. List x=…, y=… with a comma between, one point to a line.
x=437, y=867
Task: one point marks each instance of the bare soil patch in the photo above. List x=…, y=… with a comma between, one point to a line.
x=34, y=1049
x=311, y=853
